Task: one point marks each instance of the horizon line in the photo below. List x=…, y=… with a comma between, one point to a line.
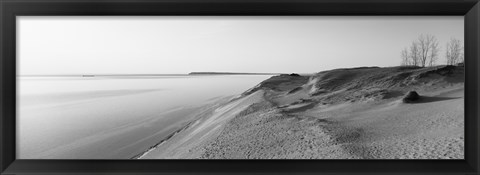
x=145, y=74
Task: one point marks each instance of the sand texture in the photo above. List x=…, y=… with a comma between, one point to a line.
x=355, y=113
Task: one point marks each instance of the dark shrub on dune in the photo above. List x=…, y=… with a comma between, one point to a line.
x=294, y=75
x=411, y=96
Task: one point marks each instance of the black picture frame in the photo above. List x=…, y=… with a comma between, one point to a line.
x=9, y=9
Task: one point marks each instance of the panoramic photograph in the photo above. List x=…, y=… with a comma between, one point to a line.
x=240, y=87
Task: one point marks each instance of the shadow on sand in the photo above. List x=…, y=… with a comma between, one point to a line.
x=424, y=99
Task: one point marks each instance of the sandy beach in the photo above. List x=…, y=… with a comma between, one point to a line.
x=355, y=113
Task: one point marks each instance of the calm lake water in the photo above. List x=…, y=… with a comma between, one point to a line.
x=110, y=117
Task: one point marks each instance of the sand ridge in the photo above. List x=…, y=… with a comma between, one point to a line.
x=339, y=114
x=206, y=127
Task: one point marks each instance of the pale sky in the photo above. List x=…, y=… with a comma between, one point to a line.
x=183, y=44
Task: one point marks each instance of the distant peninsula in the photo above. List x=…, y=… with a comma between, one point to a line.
x=229, y=73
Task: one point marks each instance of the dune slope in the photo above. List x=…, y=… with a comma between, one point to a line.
x=353, y=113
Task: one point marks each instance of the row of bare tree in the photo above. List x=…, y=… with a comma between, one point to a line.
x=425, y=52
x=454, y=53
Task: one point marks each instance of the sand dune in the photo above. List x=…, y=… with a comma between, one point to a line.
x=353, y=113
x=200, y=132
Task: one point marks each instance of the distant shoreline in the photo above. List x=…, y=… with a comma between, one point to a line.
x=230, y=73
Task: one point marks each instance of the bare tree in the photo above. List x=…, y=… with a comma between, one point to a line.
x=405, y=57
x=427, y=51
x=462, y=57
x=454, y=53
x=423, y=51
x=414, y=54
x=433, y=54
